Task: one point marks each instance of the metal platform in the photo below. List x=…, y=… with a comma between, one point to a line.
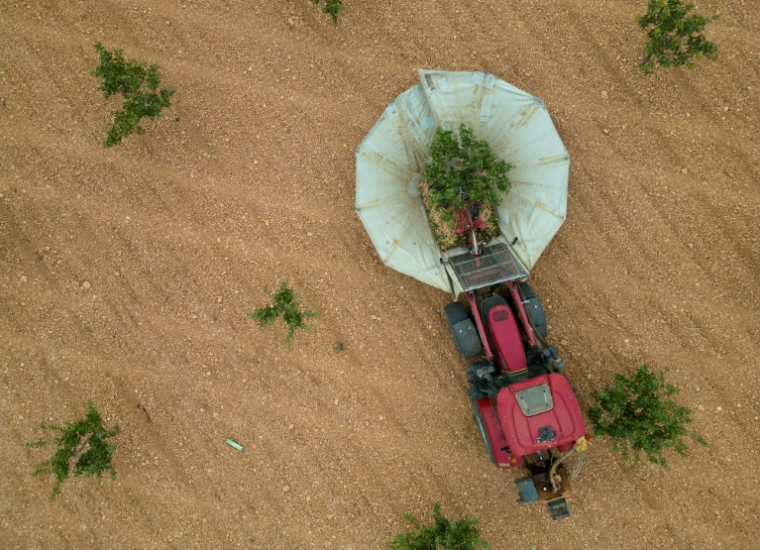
x=558, y=509
x=494, y=266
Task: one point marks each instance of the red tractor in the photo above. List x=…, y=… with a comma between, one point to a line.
x=524, y=407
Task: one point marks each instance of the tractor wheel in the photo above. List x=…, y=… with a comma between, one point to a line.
x=455, y=313
x=482, y=429
x=463, y=330
x=533, y=309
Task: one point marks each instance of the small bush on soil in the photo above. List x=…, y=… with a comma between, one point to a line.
x=638, y=416
x=462, y=172
x=139, y=87
x=441, y=535
x=675, y=38
x=332, y=7
x=285, y=304
x=82, y=443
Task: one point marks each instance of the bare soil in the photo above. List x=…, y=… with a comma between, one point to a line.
x=126, y=275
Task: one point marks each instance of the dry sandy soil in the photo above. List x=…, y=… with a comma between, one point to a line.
x=126, y=275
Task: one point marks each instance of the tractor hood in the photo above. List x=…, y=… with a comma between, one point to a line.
x=539, y=414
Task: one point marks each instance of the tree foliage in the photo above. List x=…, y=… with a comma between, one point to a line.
x=464, y=169
x=442, y=534
x=332, y=7
x=82, y=443
x=138, y=85
x=675, y=38
x=285, y=305
x=638, y=415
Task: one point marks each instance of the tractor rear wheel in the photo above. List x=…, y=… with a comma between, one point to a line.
x=482, y=429
x=463, y=330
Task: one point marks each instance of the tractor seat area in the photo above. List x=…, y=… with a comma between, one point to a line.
x=503, y=333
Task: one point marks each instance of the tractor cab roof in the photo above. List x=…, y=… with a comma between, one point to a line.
x=539, y=414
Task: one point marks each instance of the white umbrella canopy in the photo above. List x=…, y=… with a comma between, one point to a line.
x=390, y=158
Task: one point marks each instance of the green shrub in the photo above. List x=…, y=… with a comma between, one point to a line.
x=463, y=169
x=139, y=87
x=82, y=443
x=285, y=304
x=441, y=535
x=675, y=38
x=332, y=7
x=637, y=415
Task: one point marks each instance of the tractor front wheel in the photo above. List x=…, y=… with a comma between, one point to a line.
x=533, y=309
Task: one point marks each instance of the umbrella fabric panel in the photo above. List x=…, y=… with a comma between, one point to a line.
x=417, y=125
x=531, y=224
x=412, y=251
x=392, y=152
x=471, y=98
x=388, y=165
